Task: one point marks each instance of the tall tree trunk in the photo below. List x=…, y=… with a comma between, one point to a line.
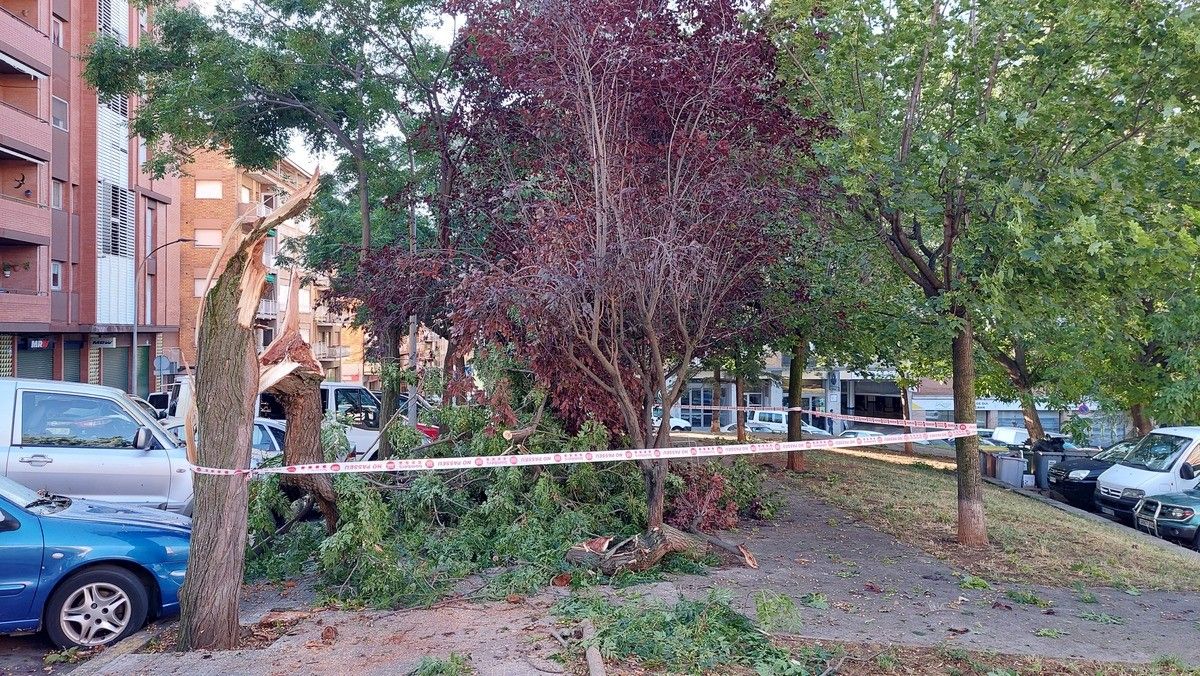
x=906, y=413
x=972, y=530
x=1033, y=424
x=795, y=459
x=740, y=386
x=226, y=387
x=1141, y=421
x=389, y=362
x=655, y=473
x=715, y=425
x=364, y=197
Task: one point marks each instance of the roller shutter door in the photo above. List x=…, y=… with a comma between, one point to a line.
x=114, y=367
x=72, y=359
x=35, y=364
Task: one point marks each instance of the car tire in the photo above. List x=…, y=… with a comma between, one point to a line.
x=677, y=428
x=96, y=606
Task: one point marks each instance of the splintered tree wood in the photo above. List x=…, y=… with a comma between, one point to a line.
x=635, y=554
x=227, y=383
x=292, y=373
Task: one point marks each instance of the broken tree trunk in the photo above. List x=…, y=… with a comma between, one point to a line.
x=637, y=553
x=292, y=373
x=227, y=376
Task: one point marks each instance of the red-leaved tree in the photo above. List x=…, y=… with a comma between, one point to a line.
x=654, y=166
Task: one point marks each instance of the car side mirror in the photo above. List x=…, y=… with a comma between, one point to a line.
x=1187, y=472
x=143, y=438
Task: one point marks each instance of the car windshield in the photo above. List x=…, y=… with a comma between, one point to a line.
x=1117, y=451
x=16, y=493
x=1156, y=452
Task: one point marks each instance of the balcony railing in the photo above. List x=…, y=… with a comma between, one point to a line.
x=326, y=352
x=268, y=308
x=322, y=315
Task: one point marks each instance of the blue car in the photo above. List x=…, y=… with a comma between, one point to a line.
x=88, y=573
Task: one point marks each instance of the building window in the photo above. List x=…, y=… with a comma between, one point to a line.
x=57, y=188
x=200, y=287
x=245, y=195
x=143, y=154
x=209, y=190
x=208, y=238
x=55, y=276
x=58, y=32
x=60, y=112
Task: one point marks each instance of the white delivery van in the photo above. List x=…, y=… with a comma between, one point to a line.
x=1165, y=461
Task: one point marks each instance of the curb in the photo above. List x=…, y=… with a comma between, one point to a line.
x=1145, y=538
x=130, y=644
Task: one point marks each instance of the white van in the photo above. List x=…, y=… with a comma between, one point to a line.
x=1164, y=461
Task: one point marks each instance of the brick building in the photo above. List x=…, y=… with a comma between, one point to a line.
x=214, y=193
x=77, y=216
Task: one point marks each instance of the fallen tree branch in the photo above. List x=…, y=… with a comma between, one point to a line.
x=739, y=551
x=595, y=662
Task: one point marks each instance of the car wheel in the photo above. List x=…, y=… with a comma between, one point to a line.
x=677, y=428
x=97, y=606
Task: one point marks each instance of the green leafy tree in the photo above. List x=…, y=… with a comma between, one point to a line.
x=962, y=123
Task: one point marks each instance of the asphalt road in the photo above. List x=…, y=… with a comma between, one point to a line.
x=22, y=655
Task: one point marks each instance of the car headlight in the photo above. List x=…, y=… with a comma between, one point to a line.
x=1176, y=513
x=1133, y=493
x=1079, y=474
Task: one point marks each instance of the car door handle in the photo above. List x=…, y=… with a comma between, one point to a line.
x=36, y=460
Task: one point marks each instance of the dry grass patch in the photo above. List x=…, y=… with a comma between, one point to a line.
x=856, y=659
x=1029, y=540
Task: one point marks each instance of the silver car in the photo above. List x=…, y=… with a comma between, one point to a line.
x=90, y=441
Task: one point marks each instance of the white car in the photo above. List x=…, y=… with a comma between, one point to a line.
x=859, y=434
x=266, y=441
x=677, y=424
x=754, y=425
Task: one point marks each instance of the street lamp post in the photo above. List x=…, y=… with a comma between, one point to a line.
x=137, y=297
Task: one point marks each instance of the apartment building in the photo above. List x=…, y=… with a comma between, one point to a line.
x=85, y=236
x=214, y=193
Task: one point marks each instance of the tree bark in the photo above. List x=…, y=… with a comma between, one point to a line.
x=795, y=459
x=292, y=373
x=715, y=426
x=655, y=473
x=302, y=446
x=906, y=413
x=227, y=385
x=1033, y=424
x=389, y=344
x=740, y=387
x=1141, y=421
x=972, y=530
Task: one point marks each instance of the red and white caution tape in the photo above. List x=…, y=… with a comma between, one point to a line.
x=536, y=459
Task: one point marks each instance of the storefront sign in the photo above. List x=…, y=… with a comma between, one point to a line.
x=104, y=341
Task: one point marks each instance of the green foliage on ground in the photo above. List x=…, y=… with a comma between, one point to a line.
x=407, y=540
x=705, y=636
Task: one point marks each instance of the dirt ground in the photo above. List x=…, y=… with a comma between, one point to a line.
x=881, y=591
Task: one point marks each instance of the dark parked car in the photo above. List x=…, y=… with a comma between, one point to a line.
x=1075, y=479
